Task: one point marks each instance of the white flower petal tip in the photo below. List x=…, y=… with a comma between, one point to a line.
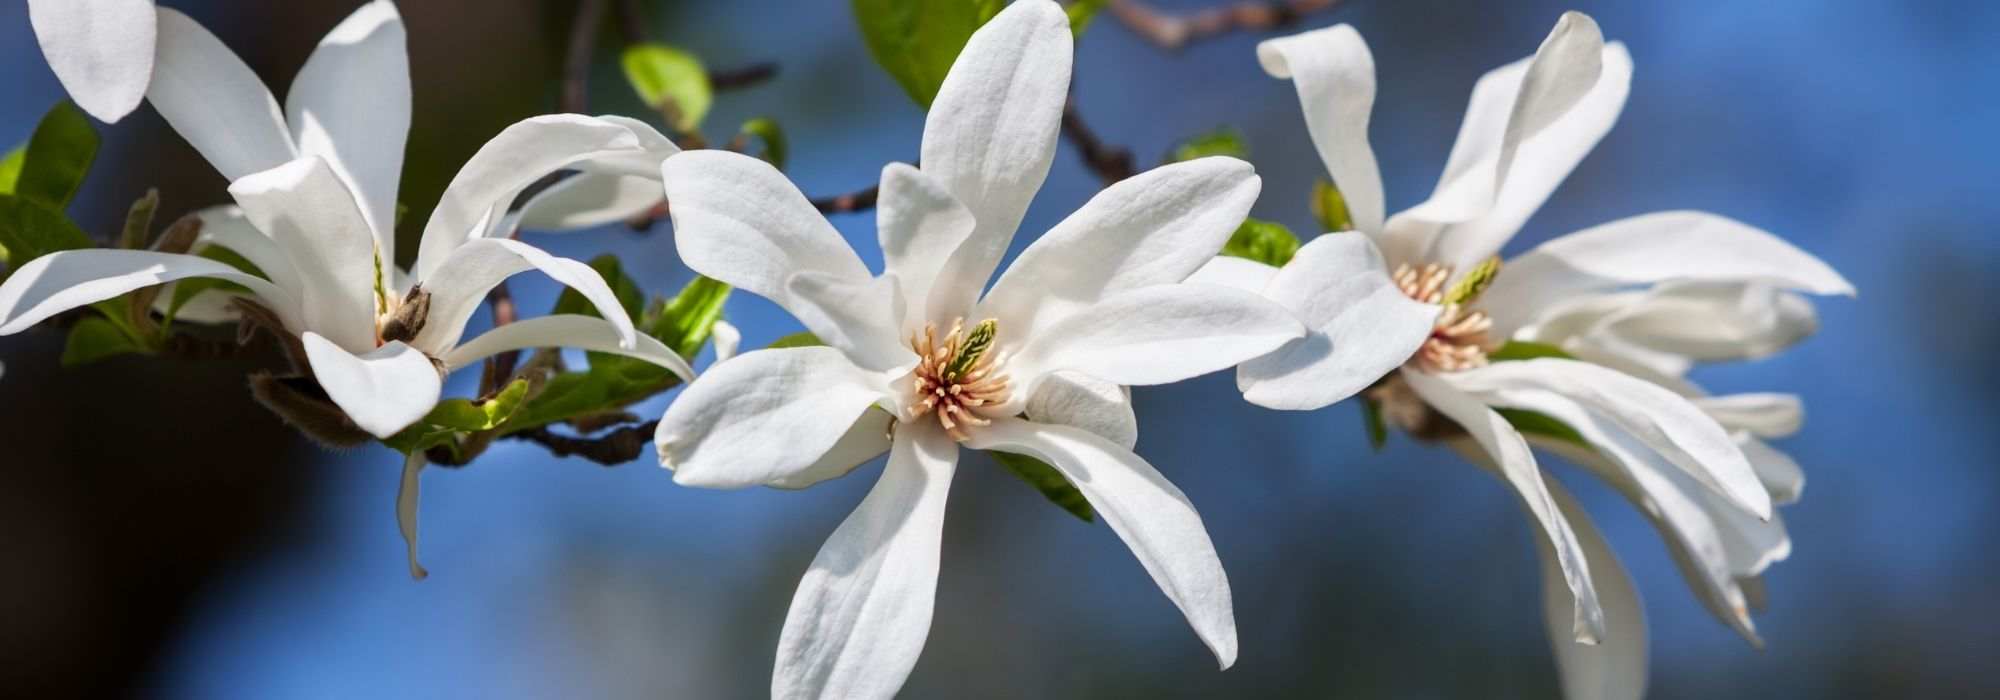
x=101, y=50
x=382, y=391
x=1361, y=326
x=727, y=339
x=1334, y=74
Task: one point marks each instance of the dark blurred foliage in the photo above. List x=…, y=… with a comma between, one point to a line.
x=165, y=537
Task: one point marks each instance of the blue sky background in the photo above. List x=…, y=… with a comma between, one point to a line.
x=1862, y=132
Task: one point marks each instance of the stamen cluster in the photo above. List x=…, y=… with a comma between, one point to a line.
x=1458, y=341
x=958, y=375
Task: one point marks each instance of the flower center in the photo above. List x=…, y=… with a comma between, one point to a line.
x=1458, y=341
x=958, y=377
x=401, y=320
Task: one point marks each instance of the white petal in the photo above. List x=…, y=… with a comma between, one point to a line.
x=1516, y=466
x=408, y=498
x=738, y=220
x=1662, y=420
x=1152, y=516
x=863, y=610
x=587, y=200
x=1360, y=326
x=1156, y=335
x=1714, y=321
x=858, y=317
x=101, y=50
x=1082, y=401
x=304, y=207
x=215, y=101
x=69, y=279
x=1235, y=273
x=521, y=154
x=460, y=284
x=1780, y=474
x=764, y=416
x=383, y=390
x=726, y=338
x=865, y=440
x=226, y=226
x=991, y=133
x=567, y=331
x=919, y=224
x=1763, y=415
x=1335, y=77
x=1157, y=227
x=1658, y=247
x=350, y=104
x=1527, y=127
x=1615, y=667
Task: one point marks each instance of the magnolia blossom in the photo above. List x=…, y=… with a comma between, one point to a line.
x=101, y=50
x=1423, y=297
x=917, y=361
x=316, y=185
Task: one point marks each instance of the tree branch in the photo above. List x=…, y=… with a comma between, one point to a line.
x=862, y=200
x=742, y=77
x=610, y=449
x=1111, y=163
x=1172, y=32
x=582, y=45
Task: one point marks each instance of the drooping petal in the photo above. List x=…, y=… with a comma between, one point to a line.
x=726, y=339
x=1527, y=127
x=215, y=101
x=306, y=209
x=1155, y=335
x=764, y=416
x=1763, y=415
x=865, y=440
x=475, y=201
x=566, y=331
x=1235, y=273
x=408, y=499
x=919, y=224
x=1781, y=475
x=1360, y=326
x=858, y=317
x=101, y=50
x=64, y=280
x=1615, y=667
x=611, y=186
x=863, y=609
x=350, y=105
x=1335, y=76
x=1658, y=247
x=1516, y=466
x=383, y=390
x=1082, y=401
x=1152, y=516
x=738, y=220
x=459, y=285
x=991, y=134
x=1157, y=227
x=1660, y=419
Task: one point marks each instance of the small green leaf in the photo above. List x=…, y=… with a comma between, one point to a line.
x=139, y=221
x=801, y=339
x=1081, y=12
x=1047, y=480
x=29, y=230
x=630, y=296
x=1371, y=420
x=916, y=41
x=672, y=81
x=1330, y=208
x=453, y=418
x=685, y=323
x=95, y=338
x=10, y=168
x=58, y=156
x=767, y=130
x=1474, y=283
x=1525, y=350
x=1533, y=423
x=1266, y=242
x=1224, y=141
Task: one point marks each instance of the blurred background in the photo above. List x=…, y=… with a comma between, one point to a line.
x=162, y=536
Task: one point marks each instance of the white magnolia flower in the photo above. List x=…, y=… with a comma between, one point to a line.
x=1421, y=295
x=101, y=50
x=316, y=183
x=919, y=361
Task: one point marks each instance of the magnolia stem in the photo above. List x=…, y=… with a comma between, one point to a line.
x=1173, y=32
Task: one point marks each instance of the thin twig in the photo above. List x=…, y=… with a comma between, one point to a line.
x=1173, y=32
x=851, y=202
x=582, y=45
x=610, y=449
x=743, y=77
x=1111, y=163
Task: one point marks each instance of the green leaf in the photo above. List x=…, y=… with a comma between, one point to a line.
x=686, y=321
x=1525, y=350
x=1266, y=242
x=1224, y=141
x=672, y=81
x=767, y=130
x=29, y=230
x=801, y=339
x=1047, y=480
x=1081, y=12
x=1533, y=423
x=453, y=418
x=1371, y=420
x=10, y=168
x=139, y=221
x=58, y=156
x=1329, y=208
x=916, y=41
x=630, y=296
x=95, y=338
